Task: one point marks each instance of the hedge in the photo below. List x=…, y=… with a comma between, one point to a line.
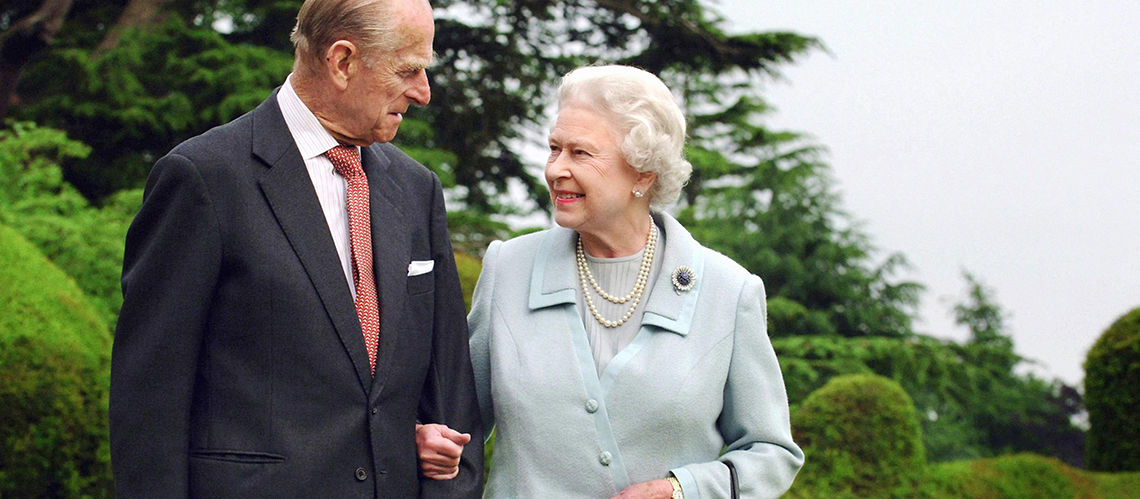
x=54, y=368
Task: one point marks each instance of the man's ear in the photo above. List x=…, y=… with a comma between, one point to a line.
x=341, y=63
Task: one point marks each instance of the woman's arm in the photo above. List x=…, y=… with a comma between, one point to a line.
x=754, y=422
x=479, y=323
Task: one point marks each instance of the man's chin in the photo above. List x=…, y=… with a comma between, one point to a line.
x=384, y=137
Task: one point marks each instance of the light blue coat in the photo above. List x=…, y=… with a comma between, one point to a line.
x=699, y=375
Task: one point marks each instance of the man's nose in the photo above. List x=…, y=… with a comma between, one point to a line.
x=420, y=92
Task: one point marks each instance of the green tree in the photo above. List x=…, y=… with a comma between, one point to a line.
x=1021, y=412
x=971, y=401
x=134, y=102
x=980, y=313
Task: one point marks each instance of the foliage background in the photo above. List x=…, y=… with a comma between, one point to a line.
x=120, y=83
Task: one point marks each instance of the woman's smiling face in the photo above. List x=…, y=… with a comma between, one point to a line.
x=590, y=182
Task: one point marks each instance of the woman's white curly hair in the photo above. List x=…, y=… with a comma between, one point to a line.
x=642, y=110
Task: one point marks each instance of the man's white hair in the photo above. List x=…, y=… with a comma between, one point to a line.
x=367, y=23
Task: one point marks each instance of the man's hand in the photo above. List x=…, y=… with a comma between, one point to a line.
x=439, y=450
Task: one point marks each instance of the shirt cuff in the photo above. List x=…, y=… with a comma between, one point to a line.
x=688, y=483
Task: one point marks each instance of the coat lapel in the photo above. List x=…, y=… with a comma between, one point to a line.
x=291, y=196
x=391, y=253
x=553, y=278
x=668, y=308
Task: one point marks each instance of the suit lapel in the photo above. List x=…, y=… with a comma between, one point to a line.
x=291, y=196
x=391, y=253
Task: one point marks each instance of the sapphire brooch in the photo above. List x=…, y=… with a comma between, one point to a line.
x=683, y=279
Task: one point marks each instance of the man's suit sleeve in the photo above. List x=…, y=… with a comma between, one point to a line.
x=170, y=267
x=449, y=393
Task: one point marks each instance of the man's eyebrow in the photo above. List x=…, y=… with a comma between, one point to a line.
x=418, y=63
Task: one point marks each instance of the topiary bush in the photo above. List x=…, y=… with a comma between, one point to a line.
x=54, y=368
x=1112, y=396
x=861, y=438
x=83, y=240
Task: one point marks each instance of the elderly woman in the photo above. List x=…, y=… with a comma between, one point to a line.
x=615, y=354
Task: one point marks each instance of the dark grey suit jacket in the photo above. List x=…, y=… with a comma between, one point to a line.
x=239, y=368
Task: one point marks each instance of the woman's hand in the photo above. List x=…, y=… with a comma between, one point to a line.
x=439, y=449
x=653, y=489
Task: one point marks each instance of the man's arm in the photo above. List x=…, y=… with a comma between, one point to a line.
x=449, y=393
x=170, y=268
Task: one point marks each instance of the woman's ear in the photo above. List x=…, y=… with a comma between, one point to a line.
x=645, y=181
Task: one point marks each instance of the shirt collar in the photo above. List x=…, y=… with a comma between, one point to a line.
x=311, y=138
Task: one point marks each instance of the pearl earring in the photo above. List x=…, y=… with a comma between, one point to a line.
x=637, y=193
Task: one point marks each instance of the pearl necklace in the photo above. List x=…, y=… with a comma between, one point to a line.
x=585, y=276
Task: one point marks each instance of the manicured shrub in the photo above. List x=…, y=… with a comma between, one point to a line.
x=861, y=438
x=1015, y=476
x=83, y=240
x=1112, y=396
x=54, y=367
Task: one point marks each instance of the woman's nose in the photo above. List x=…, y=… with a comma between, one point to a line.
x=557, y=166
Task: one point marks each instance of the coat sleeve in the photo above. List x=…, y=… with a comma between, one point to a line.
x=754, y=422
x=449, y=393
x=479, y=320
x=170, y=269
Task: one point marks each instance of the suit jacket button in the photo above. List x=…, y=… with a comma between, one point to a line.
x=375, y=410
x=361, y=475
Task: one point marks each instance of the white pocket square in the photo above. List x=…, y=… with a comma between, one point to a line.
x=418, y=267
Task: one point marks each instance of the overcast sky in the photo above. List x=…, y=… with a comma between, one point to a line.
x=1001, y=138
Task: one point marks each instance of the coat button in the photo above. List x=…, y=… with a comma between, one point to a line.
x=361, y=475
x=591, y=406
x=375, y=410
x=605, y=458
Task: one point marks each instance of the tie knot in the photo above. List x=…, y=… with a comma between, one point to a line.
x=346, y=161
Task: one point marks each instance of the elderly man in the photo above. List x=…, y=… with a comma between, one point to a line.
x=291, y=304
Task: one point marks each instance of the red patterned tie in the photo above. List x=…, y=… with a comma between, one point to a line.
x=346, y=160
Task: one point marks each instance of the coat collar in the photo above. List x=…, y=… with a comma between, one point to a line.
x=554, y=278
